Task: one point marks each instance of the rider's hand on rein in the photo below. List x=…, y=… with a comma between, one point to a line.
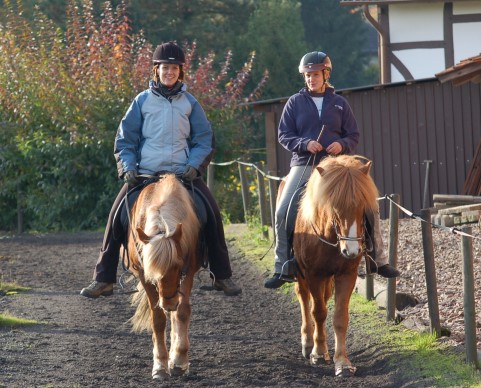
x=130, y=177
x=190, y=174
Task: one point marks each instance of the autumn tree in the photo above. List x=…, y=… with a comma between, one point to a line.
x=62, y=95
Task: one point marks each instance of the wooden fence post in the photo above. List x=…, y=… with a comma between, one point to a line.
x=392, y=251
x=262, y=199
x=369, y=287
x=244, y=190
x=430, y=269
x=469, y=304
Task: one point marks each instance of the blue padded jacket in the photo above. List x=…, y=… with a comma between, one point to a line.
x=159, y=134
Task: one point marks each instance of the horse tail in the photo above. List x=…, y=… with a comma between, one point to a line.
x=141, y=319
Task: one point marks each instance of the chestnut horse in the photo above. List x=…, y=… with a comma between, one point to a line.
x=164, y=256
x=329, y=242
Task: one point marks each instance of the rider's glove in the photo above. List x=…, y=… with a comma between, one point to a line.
x=190, y=174
x=130, y=177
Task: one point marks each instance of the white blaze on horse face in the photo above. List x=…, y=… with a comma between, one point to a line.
x=352, y=248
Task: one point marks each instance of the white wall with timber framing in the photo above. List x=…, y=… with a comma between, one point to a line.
x=421, y=38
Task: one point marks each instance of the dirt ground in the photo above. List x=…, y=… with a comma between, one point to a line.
x=251, y=340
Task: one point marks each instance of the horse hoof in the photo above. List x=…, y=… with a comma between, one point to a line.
x=345, y=371
x=316, y=359
x=306, y=351
x=176, y=371
x=160, y=375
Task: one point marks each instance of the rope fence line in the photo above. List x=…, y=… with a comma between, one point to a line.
x=452, y=230
x=276, y=178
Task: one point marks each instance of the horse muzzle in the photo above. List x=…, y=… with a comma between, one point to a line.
x=351, y=252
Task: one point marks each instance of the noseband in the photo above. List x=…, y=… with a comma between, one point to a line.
x=340, y=238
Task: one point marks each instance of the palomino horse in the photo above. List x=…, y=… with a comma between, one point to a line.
x=164, y=256
x=329, y=242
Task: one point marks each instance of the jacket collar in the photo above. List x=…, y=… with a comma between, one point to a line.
x=160, y=90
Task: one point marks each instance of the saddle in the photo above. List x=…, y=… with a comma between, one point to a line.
x=121, y=220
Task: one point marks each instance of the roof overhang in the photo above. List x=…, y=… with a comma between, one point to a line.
x=468, y=70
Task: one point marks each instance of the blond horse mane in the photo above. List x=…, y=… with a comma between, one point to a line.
x=338, y=186
x=166, y=205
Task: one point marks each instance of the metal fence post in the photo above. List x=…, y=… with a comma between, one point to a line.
x=262, y=199
x=20, y=211
x=272, y=203
x=210, y=177
x=244, y=190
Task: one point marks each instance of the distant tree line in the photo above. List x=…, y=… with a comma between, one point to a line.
x=278, y=31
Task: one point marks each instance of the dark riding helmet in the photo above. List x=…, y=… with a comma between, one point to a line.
x=169, y=53
x=315, y=61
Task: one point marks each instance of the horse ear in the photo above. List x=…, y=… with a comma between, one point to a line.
x=366, y=168
x=320, y=170
x=142, y=236
x=177, y=232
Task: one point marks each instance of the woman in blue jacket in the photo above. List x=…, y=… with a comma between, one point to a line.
x=164, y=130
x=315, y=107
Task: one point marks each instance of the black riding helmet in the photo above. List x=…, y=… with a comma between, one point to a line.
x=169, y=53
x=315, y=61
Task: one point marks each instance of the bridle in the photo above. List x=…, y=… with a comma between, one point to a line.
x=177, y=291
x=362, y=239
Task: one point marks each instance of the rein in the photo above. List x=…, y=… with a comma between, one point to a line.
x=311, y=157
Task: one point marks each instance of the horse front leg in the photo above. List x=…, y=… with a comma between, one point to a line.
x=160, y=369
x=321, y=291
x=306, y=327
x=344, y=287
x=179, y=335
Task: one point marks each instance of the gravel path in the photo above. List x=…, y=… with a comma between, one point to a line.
x=247, y=341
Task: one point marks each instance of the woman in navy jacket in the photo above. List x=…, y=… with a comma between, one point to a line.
x=315, y=109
